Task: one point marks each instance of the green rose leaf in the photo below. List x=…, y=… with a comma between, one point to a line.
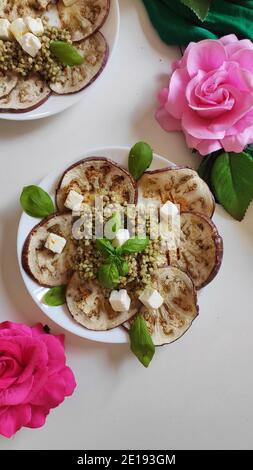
x=36, y=202
x=104, y=246
x=108, y=275
x=66, y=53
x=134, y=245
x=141, y=342
x=140, y=158
x=55, y=296
x=232, y=181
x=199, y=7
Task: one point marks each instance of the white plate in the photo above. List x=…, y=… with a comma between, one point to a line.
x=60, y=315
x=55, y=104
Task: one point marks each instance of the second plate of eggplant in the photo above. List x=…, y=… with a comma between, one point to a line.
x=32, y=97
x=178, y=274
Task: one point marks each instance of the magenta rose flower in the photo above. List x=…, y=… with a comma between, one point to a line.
x=210, y=95
x=33, y=376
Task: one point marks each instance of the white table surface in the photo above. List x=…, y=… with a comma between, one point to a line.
x=197, y=393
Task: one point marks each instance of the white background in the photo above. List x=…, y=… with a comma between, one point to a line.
x=197, y=393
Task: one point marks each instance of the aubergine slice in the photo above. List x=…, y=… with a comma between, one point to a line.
x=83, y=17
x=179, y=309
x=200, y=250
x=45, y=267
x=8, y=82
x=28, y=94
x=95, y=51
x=94, y=176
x=89, y=305
x=12, y=9
x=182, y=186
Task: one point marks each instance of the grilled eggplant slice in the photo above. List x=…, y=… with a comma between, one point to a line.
x=45, y=267
x=84, y=17
x=7, y=83
x=182, y=186
x=27, y=95
x=89, y=306
x=175, y=316
x=95, y=52
x=12, y=9
x=92, y=177
x=201, y=249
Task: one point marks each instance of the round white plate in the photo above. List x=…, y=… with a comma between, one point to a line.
x=60, y=315
x=55, y=104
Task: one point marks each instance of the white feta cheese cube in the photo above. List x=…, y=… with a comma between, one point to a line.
x=151, y=298
x=34, y=25
x=30, y=44
x=5, y=33
x=120, y=300
x=168, y=209
x=18, y=28
x=55, y=243
x=74, y=200
x=122, y=235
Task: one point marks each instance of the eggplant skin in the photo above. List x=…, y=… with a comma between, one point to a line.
x=218, y=242
x=25, y=251
x=27, y=110
x=94, y=78
x=92, y=159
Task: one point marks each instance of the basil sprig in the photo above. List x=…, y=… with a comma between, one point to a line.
x=141, y=342
x=66, y=53
x=36, y=202
x=115, y=265
x=140, y=158
x=55, y=296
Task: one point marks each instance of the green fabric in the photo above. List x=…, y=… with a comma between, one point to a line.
x=177, y=24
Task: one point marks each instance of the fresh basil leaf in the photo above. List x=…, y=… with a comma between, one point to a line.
x=55, y=296
x=232, y=177
x=122, y=265
x=108, y=275
x=140, y=158
x=104, y=246
x=134, y=245
x=141, y=342
x=36, y=202
x=66, y=53
x=116, y=220
x=199, y=7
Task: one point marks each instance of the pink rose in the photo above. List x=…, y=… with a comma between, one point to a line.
x=210, y=95
x=33, y=376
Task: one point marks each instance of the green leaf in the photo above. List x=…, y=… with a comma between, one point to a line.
x=140, y=158
x=134, y=245
x=104, y=246
x=232, y=181
x=123, y=267
x=116, y=221
x=205, y=168
x=141, y=342
x=66, y=53
x=36, y=202
x=199, y=7
x=108, y=275
x=55, y=296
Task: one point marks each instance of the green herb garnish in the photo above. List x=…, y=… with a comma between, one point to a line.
x=36, y=202
x=141, y=342
x=66, y=53
x=140, y=158
x=104, y=246
x=55, y=296
x=134, y=245
x=108, y=274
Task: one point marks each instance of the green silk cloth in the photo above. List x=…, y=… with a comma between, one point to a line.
x=177, y=24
